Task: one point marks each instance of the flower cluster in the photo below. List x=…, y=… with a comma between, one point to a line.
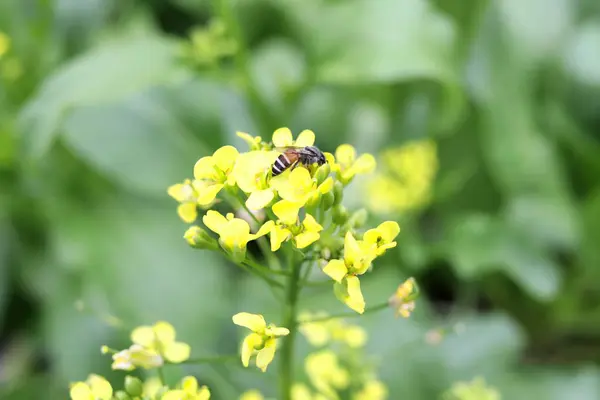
x=406, y=180
x=403, y=300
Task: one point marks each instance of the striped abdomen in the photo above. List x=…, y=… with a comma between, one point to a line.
x=284, y=161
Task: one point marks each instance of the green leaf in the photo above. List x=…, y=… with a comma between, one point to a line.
x=105, y=74
x=479, y=244
x=137, y=143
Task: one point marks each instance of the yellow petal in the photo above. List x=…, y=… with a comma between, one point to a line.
x=252, y=141
x=252, y=395
x=330, y=159
x=81, y=391
x=208, y=194
x=254, y=322
x=355, y=336
x=278, y=331
x=177, y=192
x=364, y=164
x=389, y=230
x=259, y=199
x=300, y=178
x=305, y=239
x=214, y=221
x=345, y=154
x=355, y=298
x=266, y=355
x=175, y=395
x=100, y=387
x=279, y=235
x=164, y=331
x=301, y=392
x=282, y=137
x=250, y=343
x=177, y=352
x=306, y=138
x=205, y=169
x=189, y=384
x=144, y=336
x=286, y=211
x=203, y=394
x=266, y=228
x=311, y=224
x=336, y=269
x=187, y=212
x=352, y=250
x=326, y=186
x=236, y=234
x=225, y=157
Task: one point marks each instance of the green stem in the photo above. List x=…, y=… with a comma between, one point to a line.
x=286, y=373
x=349, y=314
x=161, y=376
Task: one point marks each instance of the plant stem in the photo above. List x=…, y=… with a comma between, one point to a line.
x=161, y=376
x=350, y=314
x=286, y=372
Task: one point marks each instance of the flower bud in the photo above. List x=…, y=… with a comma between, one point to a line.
x=199, y=238
x=322, y=173
x=359, y=218
x=121, y=395
x=340, y=214
x=327, y=200
x=133, y=386
x=338, y=191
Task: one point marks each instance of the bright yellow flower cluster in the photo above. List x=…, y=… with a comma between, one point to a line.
x=406, y=178
x=403, y=300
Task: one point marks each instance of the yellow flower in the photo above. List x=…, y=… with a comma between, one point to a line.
x=186, y=194
x=301, y=189
x=151, y=387
x=325, y=373
x=282, y=137
x=254, y=142
x=94, y=388
x=320, y=333
x=301, y=392
x=252, y=395
x=406, y=180
x=136, y=356
x=263, y=340
x=189, y=391
x=346, y=165
x=234, y=233
x=160, y=338
x=303, y=235
x=383, y=236
x=213, y=172
x=403, y=301
x=358, y=256
x=373, y=390
x=250, y=173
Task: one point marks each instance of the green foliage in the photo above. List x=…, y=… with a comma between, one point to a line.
x=108, y=112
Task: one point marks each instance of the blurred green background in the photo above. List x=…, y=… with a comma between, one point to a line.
x=104, y=103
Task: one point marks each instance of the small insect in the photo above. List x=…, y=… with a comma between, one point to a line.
x=292, y=156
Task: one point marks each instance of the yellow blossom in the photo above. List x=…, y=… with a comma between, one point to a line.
x=302, y=392
x=300, y=188
x=372, y=390
x=403, y=300
x=189, y=390
x=263, y=339
x=282, y=137
x=160, y=339
x=358, y=256
x=383, y=236
x=254, y=142
x=151, y=387
x=234, y=233
x=303, y=235
x=252, y=395
x=94, y=388
x=346, y=165
x=136, y=356
x=320, y=333
x=406, y=179
x=325, y=373
x=250, y=173
x=213, y=172
x=186, y=194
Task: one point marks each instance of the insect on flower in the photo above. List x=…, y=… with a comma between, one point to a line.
x=292, y=156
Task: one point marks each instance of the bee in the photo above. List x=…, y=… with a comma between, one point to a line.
x=292, y=156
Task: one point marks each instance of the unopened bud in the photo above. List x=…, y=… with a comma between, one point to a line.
x=133, y=386
x=338, y=191
x=121, y=395
x=322, y=173
x=327, y=200
x=340, y=214
x=199, y=238
x=359, y=218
